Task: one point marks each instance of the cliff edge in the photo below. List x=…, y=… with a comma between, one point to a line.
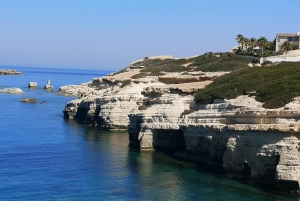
x=153, y=98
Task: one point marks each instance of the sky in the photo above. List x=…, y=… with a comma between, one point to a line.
x=109, y=34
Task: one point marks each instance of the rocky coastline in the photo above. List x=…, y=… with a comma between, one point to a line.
x=238, y=135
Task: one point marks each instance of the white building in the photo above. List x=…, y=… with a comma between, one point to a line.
x=291, y=37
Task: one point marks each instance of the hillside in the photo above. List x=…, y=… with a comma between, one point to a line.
x=273, y=85
x=207, y=62
x=153, y=99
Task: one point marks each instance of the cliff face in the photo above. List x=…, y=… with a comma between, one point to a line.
x=249, y=140
x=238, y=135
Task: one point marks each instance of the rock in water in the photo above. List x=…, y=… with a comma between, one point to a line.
x=12, y=91
x=10, y=72
x=47, y=85
x=28, y=100
x=32, y=84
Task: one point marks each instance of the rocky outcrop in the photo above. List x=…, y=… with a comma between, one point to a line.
x=10, y=72
x=48, y=86
x=105, y=102
x=28, y=100
x=239, y=135
x=32, y=84
x=12, y=91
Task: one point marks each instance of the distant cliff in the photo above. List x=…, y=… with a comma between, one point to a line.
x=153, y=99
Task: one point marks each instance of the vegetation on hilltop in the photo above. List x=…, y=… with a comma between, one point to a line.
x=246, y=46
x=207, y=62
x=226, y=62
x=265, y=48
x=286, y=46
x=275, y=85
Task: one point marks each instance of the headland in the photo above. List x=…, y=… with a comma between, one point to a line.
x=212, y=109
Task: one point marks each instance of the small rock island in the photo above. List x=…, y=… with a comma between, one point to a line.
x=10, y=72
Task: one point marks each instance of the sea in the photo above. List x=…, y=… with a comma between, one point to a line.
x=46, y=157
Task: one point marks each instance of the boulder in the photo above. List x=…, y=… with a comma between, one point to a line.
x=12, y=91
x=32, y=84
x=47, y=85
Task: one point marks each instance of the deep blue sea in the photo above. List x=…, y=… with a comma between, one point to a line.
x=45, y=157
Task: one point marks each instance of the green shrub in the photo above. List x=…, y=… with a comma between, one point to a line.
x=275, y=85
x=267, y=63
x=142, y=107
x=126, y=83
x=207, y=62
x=226, y=62
x=279, y=92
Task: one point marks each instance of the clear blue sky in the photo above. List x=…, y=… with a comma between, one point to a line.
x=109, y=34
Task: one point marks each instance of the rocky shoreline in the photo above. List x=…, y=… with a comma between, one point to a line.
x=159, y=113
x=10, y=72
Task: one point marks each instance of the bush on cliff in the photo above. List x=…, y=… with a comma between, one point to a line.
x=226, y=62
x=274, y=85
x=207, y=62
x=142, y=107
x=126, y=83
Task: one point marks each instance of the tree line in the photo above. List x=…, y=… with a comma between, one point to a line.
x=266, y=47
x=247, y=45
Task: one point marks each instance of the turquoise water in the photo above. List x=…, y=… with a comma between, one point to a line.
x=44, y=157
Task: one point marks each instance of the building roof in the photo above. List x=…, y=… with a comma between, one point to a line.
x=286, y=34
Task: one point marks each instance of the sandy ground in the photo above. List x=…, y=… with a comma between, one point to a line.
x=126, y=74
x=293, y=53
x=191, y=85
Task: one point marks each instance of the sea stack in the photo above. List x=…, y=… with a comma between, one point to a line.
x=47, y=85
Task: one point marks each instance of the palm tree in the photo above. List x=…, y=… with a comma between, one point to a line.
x=246, y=43
x=252, y=43
x=262, y=42
x=286, y=46
x=239, y=39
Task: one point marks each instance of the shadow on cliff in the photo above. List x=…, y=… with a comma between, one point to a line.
x=83, y=116
x=168, y=141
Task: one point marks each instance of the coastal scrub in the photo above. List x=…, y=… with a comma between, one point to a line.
x=274, y=85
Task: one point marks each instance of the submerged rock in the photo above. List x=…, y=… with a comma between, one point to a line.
x=28, y=100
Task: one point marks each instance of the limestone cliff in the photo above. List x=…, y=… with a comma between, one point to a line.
x=159, y=112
